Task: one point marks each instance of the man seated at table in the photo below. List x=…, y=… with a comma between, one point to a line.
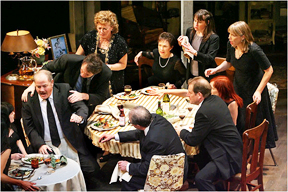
x=157, y=137
x=214, y=128
x=78, y=71
x=50, y=124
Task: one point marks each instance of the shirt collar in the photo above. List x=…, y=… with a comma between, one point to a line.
x=146, y=130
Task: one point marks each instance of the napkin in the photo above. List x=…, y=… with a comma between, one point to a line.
x=188, y=55
x=122, y=175
x=113, y=110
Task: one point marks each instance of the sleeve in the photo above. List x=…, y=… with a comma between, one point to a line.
x=200, y=131
x=148, y=54
x=260, y=57
x=87, y=40
x=207, y=59
x=141, y=169
x=133, y=135
x=181, y=71
x=58, y=65
x=36, y=140
x=121, y=47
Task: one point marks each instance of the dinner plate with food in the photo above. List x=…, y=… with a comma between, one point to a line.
x=147, y=91
x=103, y=124
x=28, y=158
x=124, y=96
x=21, y=172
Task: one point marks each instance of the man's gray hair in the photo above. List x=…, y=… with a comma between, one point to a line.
x=45, y=72
x=140, y=116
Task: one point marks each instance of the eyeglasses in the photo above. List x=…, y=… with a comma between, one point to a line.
x=129, y=123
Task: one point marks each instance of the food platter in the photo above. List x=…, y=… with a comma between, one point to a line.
x=123, y=96
x=103, y=124
x=146, y=91
x=27, y=159
x=19, y=173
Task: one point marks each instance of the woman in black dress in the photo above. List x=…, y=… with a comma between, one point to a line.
x=167, y=67
x=203, y=44
x=250, y=82
x=109, y=45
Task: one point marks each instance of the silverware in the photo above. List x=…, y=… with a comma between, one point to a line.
x=31, y=174
x=38, y=178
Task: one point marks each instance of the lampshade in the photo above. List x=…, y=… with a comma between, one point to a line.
x=18, y=41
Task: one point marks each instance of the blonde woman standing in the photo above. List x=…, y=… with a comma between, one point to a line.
x=253, y=70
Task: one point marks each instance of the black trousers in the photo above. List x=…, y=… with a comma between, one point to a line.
x=134, y=184
x=90, y=169
x=205, y=177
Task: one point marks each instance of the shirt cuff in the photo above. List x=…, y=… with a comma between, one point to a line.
x=127, y=167
x=117, y=137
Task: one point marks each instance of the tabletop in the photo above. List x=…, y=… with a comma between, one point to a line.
x=132, y=149
x=63, y=178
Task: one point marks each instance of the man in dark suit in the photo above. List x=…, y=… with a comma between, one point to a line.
x=52, y=99
x=75, y=70
x=157, y=137
x=215, y=130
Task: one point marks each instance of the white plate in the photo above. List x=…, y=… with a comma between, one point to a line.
x=28, y=172
x=102, y=129
x=148, y=88
x=121, y=96
x=24, y=159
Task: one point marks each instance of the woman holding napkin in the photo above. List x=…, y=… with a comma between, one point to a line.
x=200, y=42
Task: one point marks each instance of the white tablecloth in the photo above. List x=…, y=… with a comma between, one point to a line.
x=65, y=178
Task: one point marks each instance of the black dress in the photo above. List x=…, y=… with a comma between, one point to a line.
x=13, y=139
x=172, y=71
x=248, y=75
x=116, y=52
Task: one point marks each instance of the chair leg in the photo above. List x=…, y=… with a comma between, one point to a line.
x=272, y=155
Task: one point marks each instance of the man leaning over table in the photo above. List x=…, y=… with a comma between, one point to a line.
x=50, y=122
x=157, y=137
x=215, y=130
x=78, y=70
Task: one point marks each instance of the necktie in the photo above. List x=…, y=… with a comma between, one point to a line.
x=84, y=85
x=52, y=125
x=78, y=86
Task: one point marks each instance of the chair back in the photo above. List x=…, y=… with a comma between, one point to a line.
x=165, y=173
x=229, y=72
x=143, y=61
x=251, y=113
x=252, y=161
x=28, y=143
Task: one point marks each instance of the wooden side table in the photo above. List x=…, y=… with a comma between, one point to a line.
x=11, y=91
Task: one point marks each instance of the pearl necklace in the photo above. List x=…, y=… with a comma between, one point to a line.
x=165, y=63
x=104, y=51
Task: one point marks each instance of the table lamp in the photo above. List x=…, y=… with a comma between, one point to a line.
x=18, y=41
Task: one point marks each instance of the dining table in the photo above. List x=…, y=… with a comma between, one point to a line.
x=132, y=149
x=67, y=177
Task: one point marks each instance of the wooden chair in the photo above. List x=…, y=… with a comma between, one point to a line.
x=250, y=116
x=251, y=113
x=165, y=173
x=252, y=161
x=143, y=61
x=229, y=72
x=28, y=143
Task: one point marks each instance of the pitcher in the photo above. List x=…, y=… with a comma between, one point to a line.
x=27, y=68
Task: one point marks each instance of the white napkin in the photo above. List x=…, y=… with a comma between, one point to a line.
x=122, y=175
x=188, y=55
x=108, y=109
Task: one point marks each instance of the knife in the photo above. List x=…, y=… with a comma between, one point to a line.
x=31, y=174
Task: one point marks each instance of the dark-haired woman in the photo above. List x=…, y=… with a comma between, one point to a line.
x=203, y=44
x=167, y=67
x=223, y=87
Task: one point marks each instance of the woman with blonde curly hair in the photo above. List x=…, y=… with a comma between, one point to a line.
x=105, y=41
x=253, y=70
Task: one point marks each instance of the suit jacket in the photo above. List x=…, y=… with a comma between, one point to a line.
x=161, y=139
x=214, y=128
x=206, y=53
x=69, y=68
x=33, y=120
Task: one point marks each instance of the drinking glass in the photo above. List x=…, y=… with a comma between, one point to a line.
x=35, y=163
x=161, y=85
x=127, y=89
x=182, y=113
x=189, y=107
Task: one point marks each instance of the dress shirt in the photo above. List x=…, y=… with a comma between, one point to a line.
x=43, y=105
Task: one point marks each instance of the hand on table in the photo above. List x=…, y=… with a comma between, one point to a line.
x=17, y=156
x=76, y=118
x=106, y=137
x=122, y=165
x=29, y=186
x=44, y=149
x=157, y=92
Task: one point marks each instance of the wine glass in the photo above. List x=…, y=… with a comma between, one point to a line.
x=127, y=89
x=189, y=107
x=182, y=114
